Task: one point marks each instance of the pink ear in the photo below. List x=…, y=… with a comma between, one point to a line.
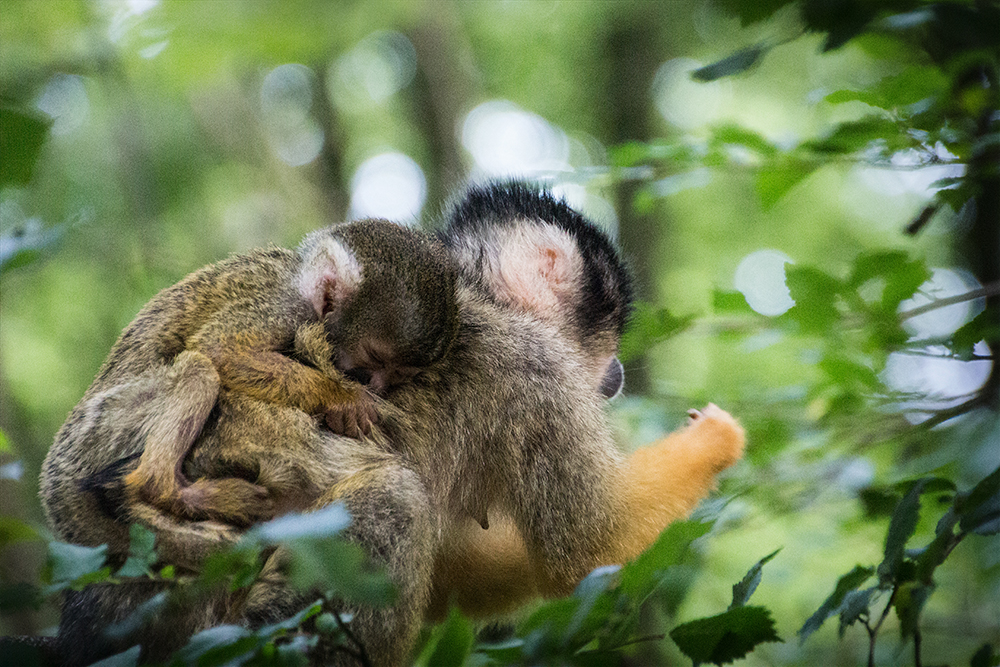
x=330, y=274
x=537, y=269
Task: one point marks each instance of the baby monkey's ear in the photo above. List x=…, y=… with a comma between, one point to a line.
x=331, y=273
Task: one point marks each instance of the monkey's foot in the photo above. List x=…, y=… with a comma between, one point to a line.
x=230, y=500
x=716, y=430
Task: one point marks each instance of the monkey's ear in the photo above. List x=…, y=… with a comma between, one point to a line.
x=614, y=379
x=330, y=272
x=538, y=268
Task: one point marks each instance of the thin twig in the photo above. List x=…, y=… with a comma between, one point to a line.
x=992, y=289
x=921, y=220
x=361, y=654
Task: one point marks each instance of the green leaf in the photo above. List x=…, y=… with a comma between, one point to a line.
x=217, y=646
x=815, y=295
x=454, y=639
x=854, y=605
x=741, y=136
x=752, y=12
x=643, y=575
x=901, y=527
x=19, y=596
x=849, y=374
x=934, y=553
x=129, y=658
x=13, y=530
x=73, y=565
x=902, y=276
x=340, y=566
x=22, y=135
x=24, y=244
x=726, y=637
x=778, y=176
x=852, y=136
x=649, y=326
x=325, y=522
x=292, y=622
x=982, y=327
x=746, y=587
x=980, y=510
x=908, y=602
x=731, y=303
x=141, y=552
x=913, y=84
x=846, y=584
x=984, y=657
x=737, y=62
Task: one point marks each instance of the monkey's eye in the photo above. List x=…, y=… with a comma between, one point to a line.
x=360, y=375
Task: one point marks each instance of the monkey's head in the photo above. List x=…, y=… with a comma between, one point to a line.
x=530, y=251
x=386, y=295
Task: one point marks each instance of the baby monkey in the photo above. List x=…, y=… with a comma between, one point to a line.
x=384, y=295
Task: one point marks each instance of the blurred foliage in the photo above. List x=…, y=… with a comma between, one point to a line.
x=856, y=143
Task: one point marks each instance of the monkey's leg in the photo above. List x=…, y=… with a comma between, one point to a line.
x=665, y=481
x=391, y=519
x=186, y=399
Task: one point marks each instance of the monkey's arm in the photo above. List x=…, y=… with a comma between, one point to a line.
x=249, y=362
x=665, y=481
x=660, y=484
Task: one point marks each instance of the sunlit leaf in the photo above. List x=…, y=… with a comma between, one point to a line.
x=223, y=642
x=726, y=637
x=325, y=522
x=741, y=136
x=775, y=178
x=855, y=604
x=815, y=295
x=141, y=553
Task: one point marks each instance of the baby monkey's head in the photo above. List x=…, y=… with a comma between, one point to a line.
x=386, y=295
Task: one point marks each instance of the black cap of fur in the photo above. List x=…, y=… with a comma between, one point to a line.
x=607, y=292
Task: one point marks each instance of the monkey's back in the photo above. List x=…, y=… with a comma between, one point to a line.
x=88, y=448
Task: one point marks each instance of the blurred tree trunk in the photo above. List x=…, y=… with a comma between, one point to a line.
x=633, y=52
x=440, y=95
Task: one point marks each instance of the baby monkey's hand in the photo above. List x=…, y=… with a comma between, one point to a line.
x=353, y=418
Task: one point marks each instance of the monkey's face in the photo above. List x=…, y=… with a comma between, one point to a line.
x=375, y=364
